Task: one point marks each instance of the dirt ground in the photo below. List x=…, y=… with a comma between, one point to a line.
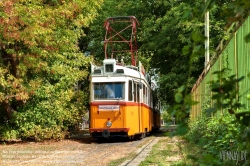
x=79, y=151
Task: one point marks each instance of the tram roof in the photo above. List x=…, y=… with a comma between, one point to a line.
x=117, y=70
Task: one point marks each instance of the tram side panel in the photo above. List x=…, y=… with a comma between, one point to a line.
x=157, y=120
x=151, y=120
x=146, y=126
x=132, y=118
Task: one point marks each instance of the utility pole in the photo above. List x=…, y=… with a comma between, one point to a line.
x=207, y=40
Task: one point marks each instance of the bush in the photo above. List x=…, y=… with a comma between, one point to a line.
x=212, y=136
x=46, y=116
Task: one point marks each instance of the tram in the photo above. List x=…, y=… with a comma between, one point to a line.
x=121, y=96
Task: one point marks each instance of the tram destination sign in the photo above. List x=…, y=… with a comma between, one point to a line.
x=109, y=108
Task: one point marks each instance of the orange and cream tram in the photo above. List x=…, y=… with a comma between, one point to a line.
x=121, y=100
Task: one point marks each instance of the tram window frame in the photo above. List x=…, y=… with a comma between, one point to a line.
x=130, y=90
x=146, y=95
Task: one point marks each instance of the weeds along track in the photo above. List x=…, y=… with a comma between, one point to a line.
x=141, y=153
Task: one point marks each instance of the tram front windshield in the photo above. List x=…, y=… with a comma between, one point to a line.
x=109, y=90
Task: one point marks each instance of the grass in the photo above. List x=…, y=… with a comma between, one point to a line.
x=121, y=160
x=170, y=151
x=130, y=156
x=159, y=154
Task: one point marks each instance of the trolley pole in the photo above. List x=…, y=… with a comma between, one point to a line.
x=207, y=40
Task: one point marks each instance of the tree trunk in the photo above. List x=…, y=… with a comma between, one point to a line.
x=7, y=108
x=13, y=60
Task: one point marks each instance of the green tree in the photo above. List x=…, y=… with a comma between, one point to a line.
x=165, y=29
x=171, y=36
x=40, y=63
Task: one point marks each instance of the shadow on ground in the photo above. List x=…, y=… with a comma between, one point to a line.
x=83, y=136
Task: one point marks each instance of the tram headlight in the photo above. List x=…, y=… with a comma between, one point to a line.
x=109, y=124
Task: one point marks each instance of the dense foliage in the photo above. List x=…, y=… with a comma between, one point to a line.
x=229, y=133
x=166, y=37
x=212, y=136
x=40, y=63
x=222, y=128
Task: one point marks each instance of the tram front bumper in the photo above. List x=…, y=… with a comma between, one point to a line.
x=109, y=132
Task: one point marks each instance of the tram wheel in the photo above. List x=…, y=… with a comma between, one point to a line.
x=143, y=135
x=138, y=136
x=131, y=137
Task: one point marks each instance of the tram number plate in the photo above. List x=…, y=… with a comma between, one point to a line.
x=109, y=108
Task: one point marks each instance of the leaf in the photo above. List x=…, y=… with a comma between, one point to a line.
x=181, y=89
x=210, y=111
x=178, y=97
x=187, y=14
x=247, y=38
x=208, y=158
x=202, y=141
x=216, y=96
x=192, y=157
x=208, y=5
x=186, y=50
x=182, y=130
x=239, y=79
x=197, y=37
x=243, y=117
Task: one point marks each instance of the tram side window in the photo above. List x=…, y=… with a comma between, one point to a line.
x=146, y=96
x=130, y=92
x=149, y=97
x=151, y=100
x=135, y=99
x=138, y=93
x=143, y=97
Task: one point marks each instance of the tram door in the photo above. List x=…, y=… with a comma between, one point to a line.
x=137, y=101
